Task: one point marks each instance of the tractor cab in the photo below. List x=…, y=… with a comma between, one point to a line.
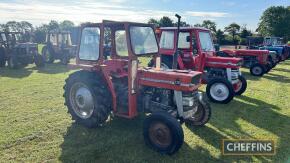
x=58, y=46
x=111, y=81
x=195, y=45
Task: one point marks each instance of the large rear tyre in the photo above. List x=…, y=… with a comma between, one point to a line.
x=257, y=70
x=202, y=112
x=2, y=57
x=13, y=62
x=163, y=133
x=241, y=86
x=65, y=58
x=48, y=57
x=220, y=91
x=87, y=98
x=39, y=60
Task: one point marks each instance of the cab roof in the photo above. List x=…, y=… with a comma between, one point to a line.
x=184, y=28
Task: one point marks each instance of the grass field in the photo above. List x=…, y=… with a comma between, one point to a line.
x=35, y=125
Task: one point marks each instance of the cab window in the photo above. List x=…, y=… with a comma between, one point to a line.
x=90, y=44
x=167, y=40
x=182, y=42
x=121, y=43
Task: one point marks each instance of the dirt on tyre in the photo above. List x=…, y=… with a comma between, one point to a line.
x=202, y=113
x=163, y=133
x=242, y=85
x=220, y=90
x=87, y=98
x=257, y=70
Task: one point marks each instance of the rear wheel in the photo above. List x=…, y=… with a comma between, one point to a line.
x=13, y=62
x=241, y=85
x=220, y=91
x=87, y=98
x=2, y=57
x=202, y=113
x=163, y=133
x=257, y=70
x=65, y=58
x=38, y=60
x=48, y=57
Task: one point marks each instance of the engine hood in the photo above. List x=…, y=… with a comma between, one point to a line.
x=252, y=52
x=223, y=62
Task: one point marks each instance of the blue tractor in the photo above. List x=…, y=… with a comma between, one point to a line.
x=276, y=44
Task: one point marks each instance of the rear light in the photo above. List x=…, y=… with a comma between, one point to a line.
x=196, y=79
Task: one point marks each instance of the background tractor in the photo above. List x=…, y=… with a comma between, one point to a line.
x=18, y=51
x=222, y=75
x=58, y=46
x=119, y=86
x=276, y=44
x=257, y=60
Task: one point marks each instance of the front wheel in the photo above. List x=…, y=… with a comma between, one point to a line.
x=202, y=112
x=257, y=70
x=241, y=86
x=220, y=91
x=65, y=58
x=2, y=57
x=163, y=133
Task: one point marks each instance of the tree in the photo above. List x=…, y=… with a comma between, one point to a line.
x=209, y=25
x=53, y=25
x=154, y=21
x=220, y=36
x=275, y=21
x=197, y=25
x=245, y=32
x=233, y=29
x=66, y=25
x=165, y=22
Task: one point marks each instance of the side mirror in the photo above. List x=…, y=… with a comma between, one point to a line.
x=188, y=39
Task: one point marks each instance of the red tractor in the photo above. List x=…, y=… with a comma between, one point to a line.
x=259, y=61
x=195, y=45
x=113, y=83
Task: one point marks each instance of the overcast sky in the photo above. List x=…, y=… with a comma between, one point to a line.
x=193, y=11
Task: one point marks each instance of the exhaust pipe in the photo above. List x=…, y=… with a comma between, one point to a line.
x=175, y=56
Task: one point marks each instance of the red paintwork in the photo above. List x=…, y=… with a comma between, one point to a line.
x=261, y=55
x=171, y=77
x=119, y=67
x=189, y=61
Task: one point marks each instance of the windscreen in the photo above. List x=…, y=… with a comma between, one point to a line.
x=90, y=44
x=206, y=41
x=143, y=40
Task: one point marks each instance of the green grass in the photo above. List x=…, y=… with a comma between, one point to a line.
x=35, y=125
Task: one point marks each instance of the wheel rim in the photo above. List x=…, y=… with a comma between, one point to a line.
x=219, y=91
x=257, y=70
x=160, y=134
x=82, y=100
x=198, y=114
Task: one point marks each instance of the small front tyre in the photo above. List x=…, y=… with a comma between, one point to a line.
x=241, y=86
x=220, y=90
x=257, y=70
x=39, y=60
x=201, y=114
x=163, y=133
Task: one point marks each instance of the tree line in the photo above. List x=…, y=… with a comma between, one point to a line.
x=275, y=21
x=36, y=34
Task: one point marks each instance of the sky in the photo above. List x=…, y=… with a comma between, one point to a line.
x=243, y=12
